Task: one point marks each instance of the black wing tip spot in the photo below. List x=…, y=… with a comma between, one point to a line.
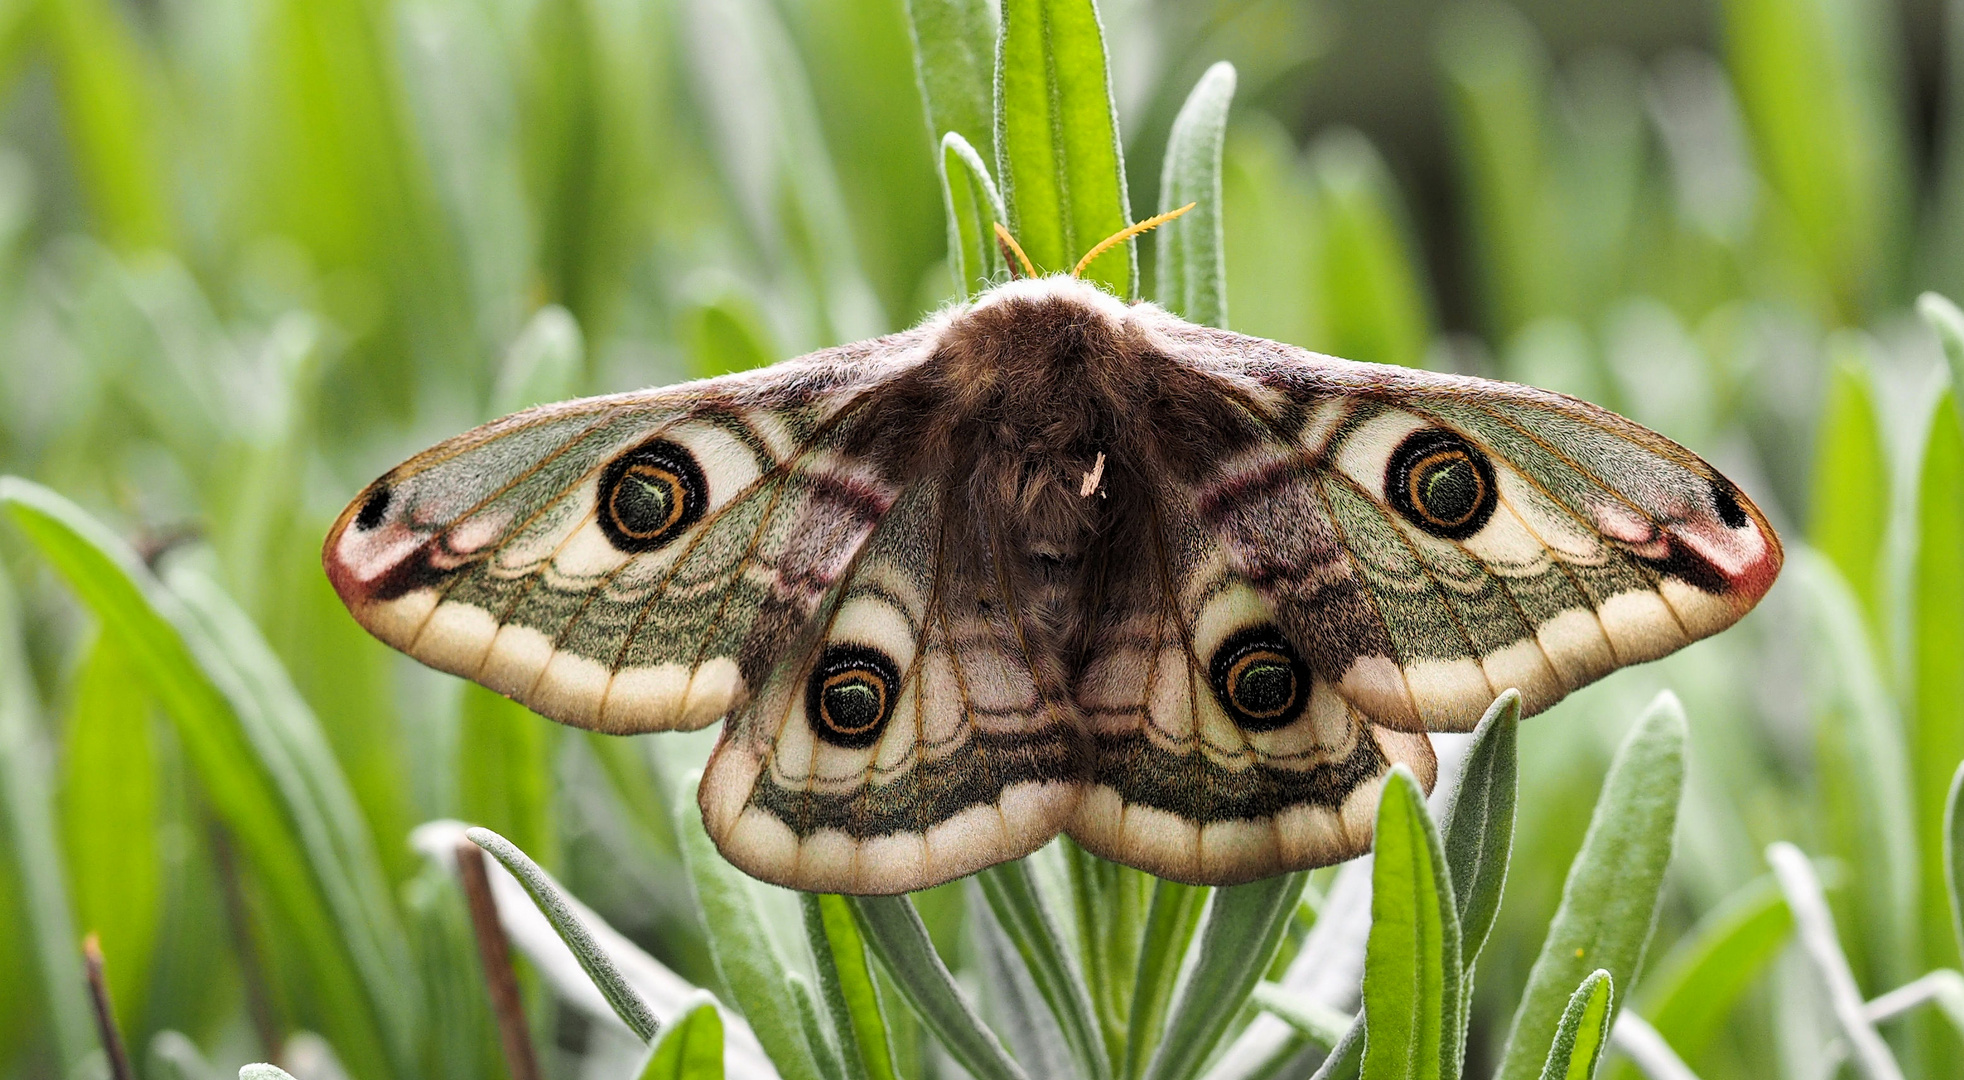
x=1259, y=680
x=1725, y=499
x=850, y=695
x=1441, y=483
x=374, y=508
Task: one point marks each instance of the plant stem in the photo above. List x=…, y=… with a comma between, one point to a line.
x=513, y=1032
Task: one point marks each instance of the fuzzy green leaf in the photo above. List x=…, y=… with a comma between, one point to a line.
x=974, y=207
x=1058, y=156
x=852, y=995
x=627, y=1003
x=110, y=818
x=1322, y=1025
x=1815, y=926
x=546, y=362
x=1192, y=260
x=954, y=55
x=1020, y=911
x=1412, y=976
x=691, y=1048
x=272, y=782
x=746, y=958
x=1479, y=834
x=897, y=936
x=1171, y=919
x=1850, y=506
x=26, y=806
x=1583, y=1032
x=1238, y=938
x=1609, y=902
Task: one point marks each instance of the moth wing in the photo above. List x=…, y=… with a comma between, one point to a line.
x=1220, y=756
x=1588, y=542
x=951, y=745
x=626, y=563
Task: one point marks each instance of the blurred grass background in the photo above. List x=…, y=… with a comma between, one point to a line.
x=253, y=252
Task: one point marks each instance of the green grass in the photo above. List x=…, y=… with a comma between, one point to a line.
x=252, y=255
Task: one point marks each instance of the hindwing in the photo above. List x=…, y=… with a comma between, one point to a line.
x=916, y=734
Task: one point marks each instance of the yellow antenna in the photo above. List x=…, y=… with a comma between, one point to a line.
x=1125, y=234
x=1009, y=242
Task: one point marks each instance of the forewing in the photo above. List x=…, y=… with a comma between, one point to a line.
x=1431, y=540
x=629, y=563
x=915, y=735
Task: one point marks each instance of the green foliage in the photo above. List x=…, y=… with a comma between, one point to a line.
x=1610, y=901
x=1412, y=968
x=1058, y=155
x=691, y=1049
x=250, y=258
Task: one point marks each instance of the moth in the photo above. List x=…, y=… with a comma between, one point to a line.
x=1049, y=562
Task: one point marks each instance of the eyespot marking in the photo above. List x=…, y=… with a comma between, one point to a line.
x=1441, y=484
x=850, y=695
x=650, y=495
x=374, y=508
x=1259, y=680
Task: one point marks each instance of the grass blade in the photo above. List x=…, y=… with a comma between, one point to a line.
x=1815, y=925
x=627, y=1003
x=111, y=817
x=1954, y=853
x=1241, y=930
x=26, y=804
x=1609, y=902
x=1583, y=1032
x=825, y=1052
x=1192, y=267
x=109, y=101
x=1850, y=505
x=1374, y=306
x=1828, y=139
x=974, y=207
x=749, y=963
x=1058, y=156
x=897, y=936
x=1171, y=919
x=1947, y=321
x=691, y=1048
x=1412, y=971
x=1020, y=911
x=268, y=800
x=1866, y=767
x=1936, y=730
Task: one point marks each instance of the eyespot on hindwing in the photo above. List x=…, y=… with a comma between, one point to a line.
x=1259, y=680
x=850, y=695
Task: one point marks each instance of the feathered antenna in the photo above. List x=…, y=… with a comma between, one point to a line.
x=1010, y=247
x=1123, y=235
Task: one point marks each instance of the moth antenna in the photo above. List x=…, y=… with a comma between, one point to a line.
x=1125, y=234
x=1010, y=247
